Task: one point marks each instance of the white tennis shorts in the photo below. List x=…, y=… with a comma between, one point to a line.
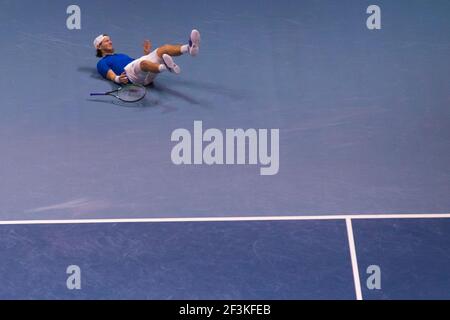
x=135, y=73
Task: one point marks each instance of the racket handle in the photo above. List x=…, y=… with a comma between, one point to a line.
x=97, y=94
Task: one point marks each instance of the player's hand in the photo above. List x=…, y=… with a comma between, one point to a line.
x=147, y=46
x=123, y=78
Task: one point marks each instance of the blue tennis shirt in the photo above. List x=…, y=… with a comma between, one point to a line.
x=116, y=62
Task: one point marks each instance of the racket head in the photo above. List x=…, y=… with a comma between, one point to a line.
x=131, y=93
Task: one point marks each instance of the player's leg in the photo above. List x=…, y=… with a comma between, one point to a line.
x=154, y=67
x=161, y=59
x=148, y=66
x=166, y=52
x=173, y=50
x=152, y=63
x=177, y=50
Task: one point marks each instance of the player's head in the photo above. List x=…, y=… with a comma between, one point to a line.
x=103, y=45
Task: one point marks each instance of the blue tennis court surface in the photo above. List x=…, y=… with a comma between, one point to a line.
x=364, y=129
x=182, y=261
x=413, y=254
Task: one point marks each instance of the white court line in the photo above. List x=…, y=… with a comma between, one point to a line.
x=351, y=244
x=235, y=219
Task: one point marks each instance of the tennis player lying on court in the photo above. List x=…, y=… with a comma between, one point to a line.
x=122, y=69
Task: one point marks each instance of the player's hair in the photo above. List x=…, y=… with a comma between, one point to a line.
x=99, y=53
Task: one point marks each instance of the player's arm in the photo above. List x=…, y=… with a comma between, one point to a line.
x=147, y=47
x=122, y=79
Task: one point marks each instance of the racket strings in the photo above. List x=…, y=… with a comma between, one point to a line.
x=131, y=93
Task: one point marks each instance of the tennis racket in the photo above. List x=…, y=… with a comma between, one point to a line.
x=127, y=93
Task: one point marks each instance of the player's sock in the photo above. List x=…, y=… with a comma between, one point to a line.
x=194, y=43
x=185, y=49
x=162, y=68
x=170, y=64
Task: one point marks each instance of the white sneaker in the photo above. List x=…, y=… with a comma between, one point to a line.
x=170, y=64
x=194, y=43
